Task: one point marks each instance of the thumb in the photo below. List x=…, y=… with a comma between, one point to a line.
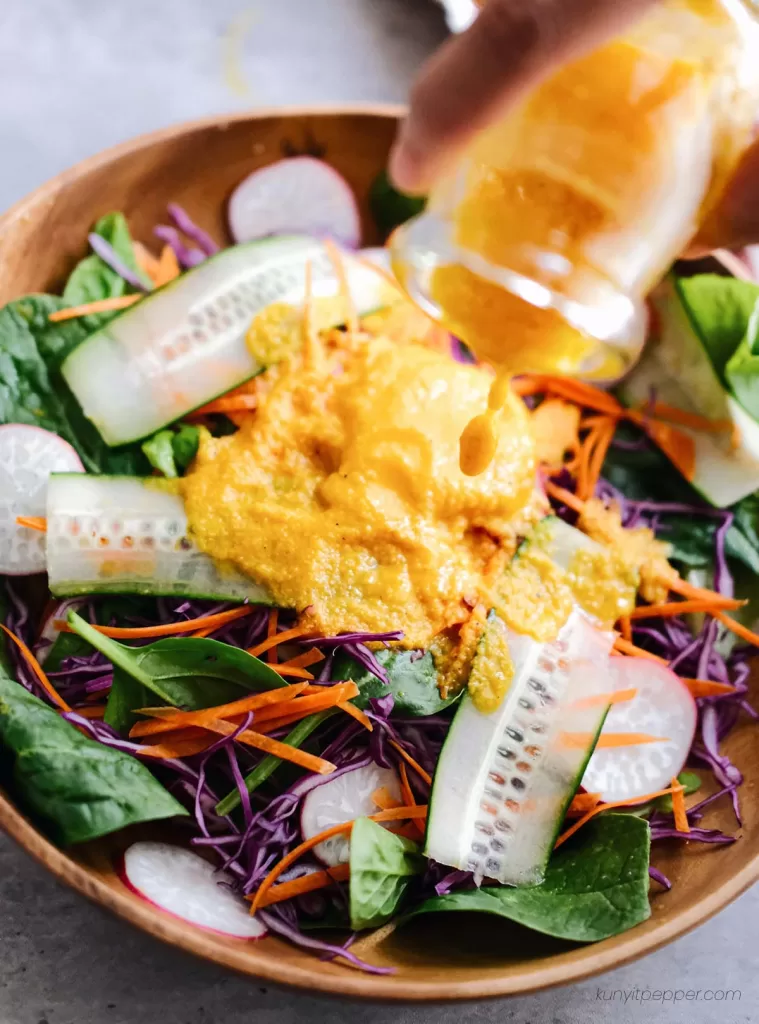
x=734, y=222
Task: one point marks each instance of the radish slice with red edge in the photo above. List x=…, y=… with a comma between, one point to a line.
x=300, y=195
x=186, y=886
x=662, y=707
x=345, y=798
x=28, y=455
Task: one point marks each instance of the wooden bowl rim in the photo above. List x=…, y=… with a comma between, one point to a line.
x=247, y=957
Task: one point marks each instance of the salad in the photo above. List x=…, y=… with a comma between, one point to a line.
x=247, y=590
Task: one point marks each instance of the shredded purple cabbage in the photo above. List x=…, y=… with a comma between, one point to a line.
x=187, y=256
x=108, y=255
x=187, y=226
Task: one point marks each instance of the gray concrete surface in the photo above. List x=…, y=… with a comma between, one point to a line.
x=78, y=75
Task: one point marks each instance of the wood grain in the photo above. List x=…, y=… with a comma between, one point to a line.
x=457, y=957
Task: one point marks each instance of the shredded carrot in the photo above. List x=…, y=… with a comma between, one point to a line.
x=690, y=420
x=232, y=403
x=391, y=814
x=38, y=523
x=95, y=711
x=610, y=806
x=583, y=463
x=357, y=713
x=576, y=391
x=168, y=267
x=146, y=261
x=601, y=699
x=735, y=627
x=35, y=666
x=177, y=748
x=415, y=829
x=673, y=608
x=169, y=629
x=383, y=799
x=328, y=697
x=680, y=586
x=679, y=448
x=351, y=316
x=608, y=740
x=564, y=496
x=306, y=883
x=305, y=660
x=596, y=460
x=292, y=672
x=637, y=652
x=99, y=306
x=678, y=807
x=582, y=803
x=706, y=688
x=274, y=639
x=172, y=718
x=412, y=763
x=625, y=628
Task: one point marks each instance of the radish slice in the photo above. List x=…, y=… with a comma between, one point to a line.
x=342, y=799
x=300, y=195
x=379, y=256
x=663, y=707
x=186, y=886
x=28, y=455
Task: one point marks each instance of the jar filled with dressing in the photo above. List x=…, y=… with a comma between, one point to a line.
x=539, y=247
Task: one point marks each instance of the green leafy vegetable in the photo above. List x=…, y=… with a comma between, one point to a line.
x=719, y=309
x=265, y=767
x=190, y=673
x=596, y=885
x=170, y=451
x=692, y=783
x=413, y=681
x=382, y=866
x=93, y=279
x=742, y=371
x=390, y=207
x=78, y=787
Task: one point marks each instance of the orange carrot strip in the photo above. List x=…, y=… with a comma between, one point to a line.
x=412, y=763
x=274, y=638
x=603, y=441
x=690, y=419
x=235, y=403
x=178, y=718
x=409, y=799
x=625, y=628
x=383, y=798
x=673, y=608
x=608, y=740
x=168, y=267
x=582, y=803
x=637, y=652
x=329, y=696
x=35, y=666
x=680, y=586
x=306, y=883
x=142, y=632
x=357, y=713
x=679, y=448
x=146, y=261
x=575, y=391
x=564, y=496
x=38, y=523
x=583, y=464
x=610, y=806
x=600, y=699
x=95, y=711
x=351, y=316
x=706, y=688
x=391, y=814
x=99, y=306
x=735, y=627
x=270, y=746
x=177, y=748
x=292, y=672
x=304, y=660
x=678, y=807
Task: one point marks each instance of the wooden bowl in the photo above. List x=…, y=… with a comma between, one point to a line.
x=452, y=957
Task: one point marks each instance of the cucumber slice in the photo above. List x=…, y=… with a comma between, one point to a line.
x=185, y=344
x=678, y=368
x=126, y=535
x=504, y=780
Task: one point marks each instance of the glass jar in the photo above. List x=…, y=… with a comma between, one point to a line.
x=539, y=247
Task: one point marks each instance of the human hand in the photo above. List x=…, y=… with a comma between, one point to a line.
x=477, y=76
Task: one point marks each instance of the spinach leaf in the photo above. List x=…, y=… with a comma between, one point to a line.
x=719, y=309
x=33, y=391
x=93, y=279
x=596, y=885
x=187, y=672
x=382, y=866
x=171, y=452
x=159, y=451
x=413, y=681
x=78, y=787
x=125, y=696
x=742, y=371
x=389, y=207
